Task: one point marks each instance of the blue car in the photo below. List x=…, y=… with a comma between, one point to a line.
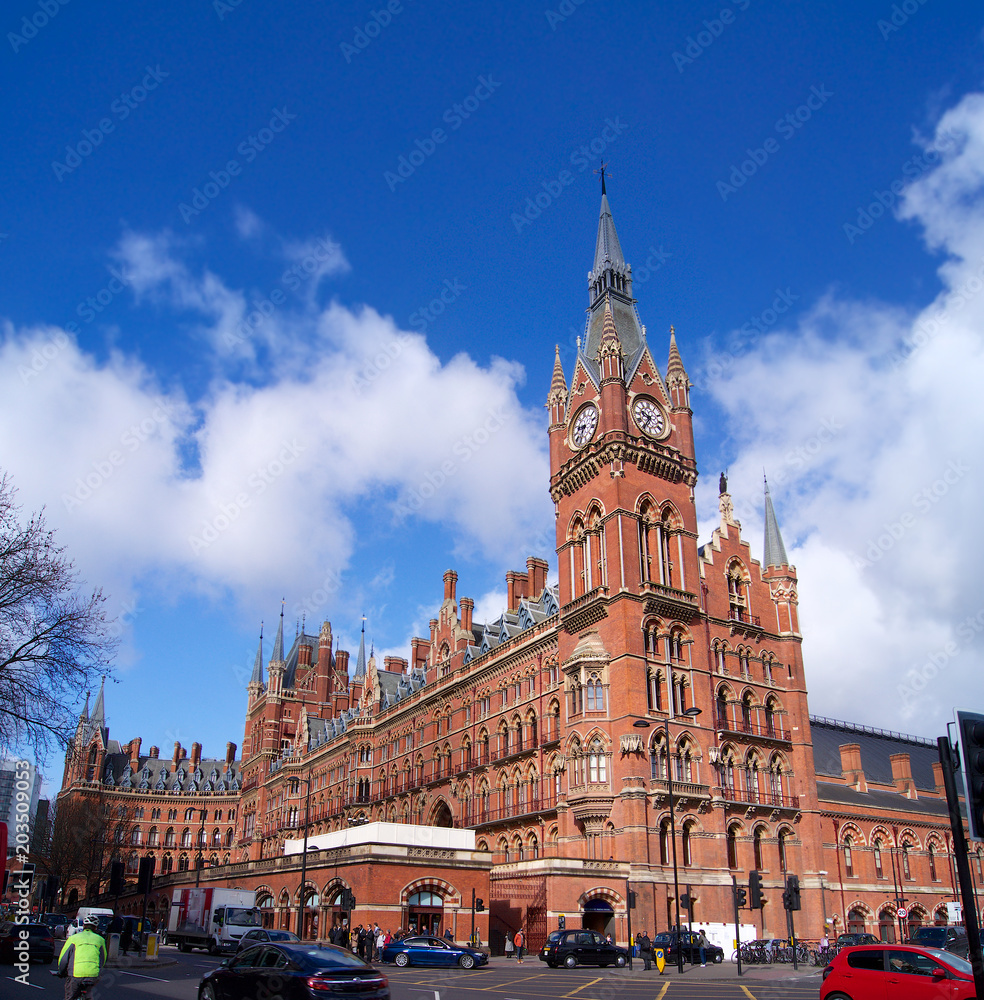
x=423, y=949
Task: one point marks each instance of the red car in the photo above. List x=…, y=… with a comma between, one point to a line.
x=886, y=971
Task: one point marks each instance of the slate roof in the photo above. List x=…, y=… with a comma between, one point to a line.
x=877, y=746
x=290, y=673
x=880, y=800
x=512, y=623
x=156, y=774
x=775, y=551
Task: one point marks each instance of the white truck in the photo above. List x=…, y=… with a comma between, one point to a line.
x=211, y=918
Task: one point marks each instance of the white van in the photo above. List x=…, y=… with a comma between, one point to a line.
x=84, y=911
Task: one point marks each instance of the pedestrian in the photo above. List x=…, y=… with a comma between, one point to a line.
x=520, y=942
x=448, y=935
x=378, y=937
x=609, y=938
x=703, y=944
x=126, y=937
x=646, y=951
x=510, y=947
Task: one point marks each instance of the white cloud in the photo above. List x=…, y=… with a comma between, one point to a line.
x=364, y=430
x=870, y=422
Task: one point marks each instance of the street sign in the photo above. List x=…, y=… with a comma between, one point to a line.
x=902, y=912
x=954, y=913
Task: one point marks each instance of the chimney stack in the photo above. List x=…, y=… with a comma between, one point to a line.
x=467, y=609
x=418, y=652
x=536, y=572
x=851, y=766
x=516, y=584
x=155, y=752
x=230, y=753
x=177, y=754
x=450, y=584
x=135, y=754
x=196, y=754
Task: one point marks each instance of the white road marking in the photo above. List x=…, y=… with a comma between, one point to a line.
x=137, y=974
x=11, y=978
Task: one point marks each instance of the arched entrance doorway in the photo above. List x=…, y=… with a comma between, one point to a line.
x=425, y=912
x=267, y=911
x=337, y=918
x=311, y=903
x=598, y=915
x=886, y=926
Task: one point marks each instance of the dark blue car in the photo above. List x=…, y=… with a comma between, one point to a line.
x=423, y=949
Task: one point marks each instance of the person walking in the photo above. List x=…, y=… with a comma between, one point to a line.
x=645, y=951
x=520, y=942
x=82, y=958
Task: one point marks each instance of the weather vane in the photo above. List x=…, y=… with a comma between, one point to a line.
x=601, y=170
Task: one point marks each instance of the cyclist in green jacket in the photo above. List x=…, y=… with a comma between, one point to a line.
x=82, y=958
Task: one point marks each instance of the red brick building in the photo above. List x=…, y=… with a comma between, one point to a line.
x=554, y=732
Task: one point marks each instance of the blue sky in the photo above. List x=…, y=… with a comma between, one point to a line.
x=207, y=244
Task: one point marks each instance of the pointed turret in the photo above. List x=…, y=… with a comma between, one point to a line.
x=360, y=663
x=775, y=551
x=558, y=384
x=257, y=677
x=84, y=717
x=278, y=642
x=608, y=250
x=99, y=710
x=675, y=362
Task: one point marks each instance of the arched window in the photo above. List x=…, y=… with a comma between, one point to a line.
x=167, y=863
x=169, y=837
x=595, y=700
x=932, y=864
x=848, y=856
x=906, y=870
x=876, y=847
x=721, y=709
x=183, y=863
x=770, y=717
x=746, y=713
x=732, y=846
x=688, y=854
x=886, y=926
x=783, y=851
x=757, y=848
x=664, y=842
x=597, y=763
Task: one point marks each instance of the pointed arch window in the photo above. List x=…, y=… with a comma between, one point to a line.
x=848, y=856
x=597, y=763
x=932, y=864
x=906, y=870
x=784, y=851
x=664, y=842
x=595, y=694
x=877, y=854
x=688, y=847
x=732, y=847
x=721, y=709
x=757, y=849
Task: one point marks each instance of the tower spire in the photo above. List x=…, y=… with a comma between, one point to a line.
x=99, y=709
x=558, y=384
x=257, y=677
x=360, y=663
x=278, y=642
x=775, y=551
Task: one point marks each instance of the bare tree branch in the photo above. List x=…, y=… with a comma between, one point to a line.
x=54, y=638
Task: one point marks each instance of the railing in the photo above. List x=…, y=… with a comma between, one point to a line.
x=681, y=789
x=772, y=731
x=669, y=593
x=737, y=615
x=480, y=817
x=753, y=796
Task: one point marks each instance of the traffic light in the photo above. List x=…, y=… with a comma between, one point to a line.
x=51, y=889
x=480, y=905
x=348, y=900
x=971, y=726
x=145, y=878
x=792, y=892
x=685, y=901
x=741, y=896
x=632, y=900
x=561, y=922
x=786, y=904
x=755, y=891
x=116, y=878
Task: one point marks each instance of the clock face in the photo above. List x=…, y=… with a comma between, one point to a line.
x=584, y=426
x=649, y=417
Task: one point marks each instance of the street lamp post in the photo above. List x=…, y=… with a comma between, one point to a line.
x=692, y=713
x=199, y=861
x=300, y=903
x=823, y=901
